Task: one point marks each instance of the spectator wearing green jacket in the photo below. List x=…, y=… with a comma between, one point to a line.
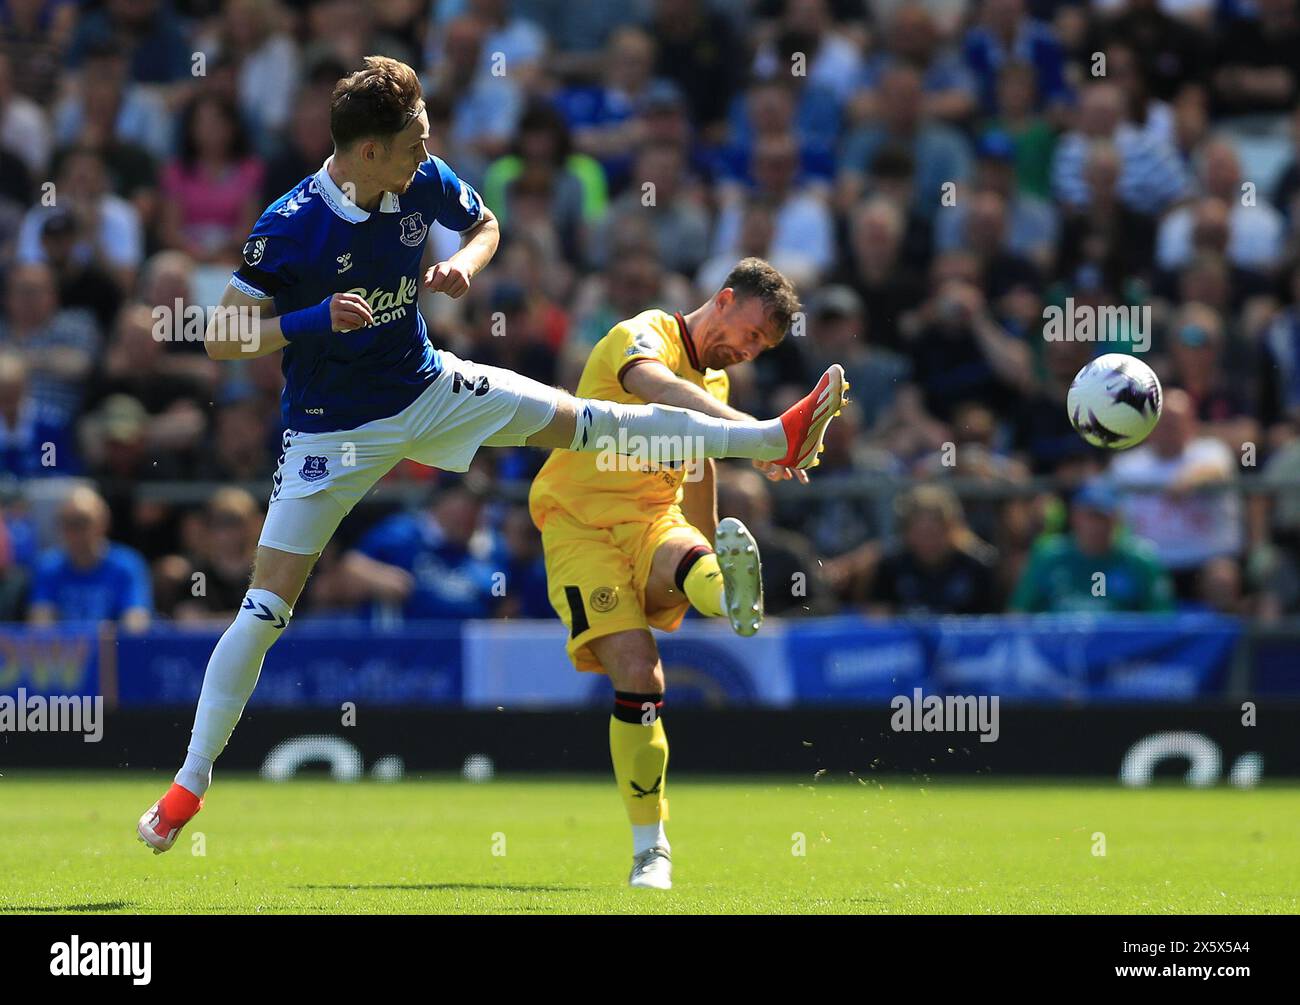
x=1094, y=568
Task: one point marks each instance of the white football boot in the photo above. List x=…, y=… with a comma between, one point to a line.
x=652, y=870
x=742, y=575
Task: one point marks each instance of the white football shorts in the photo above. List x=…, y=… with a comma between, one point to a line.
x=320, y=476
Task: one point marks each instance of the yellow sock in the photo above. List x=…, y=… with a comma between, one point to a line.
x=703, y=586
x=638, y=747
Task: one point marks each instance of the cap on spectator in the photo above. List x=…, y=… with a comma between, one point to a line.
x=837, y=302
x=1098, y=495
x=996, y=145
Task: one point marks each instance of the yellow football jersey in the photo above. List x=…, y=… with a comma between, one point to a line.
x=585, y=485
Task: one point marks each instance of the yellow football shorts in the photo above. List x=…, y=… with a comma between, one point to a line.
x=596, y=577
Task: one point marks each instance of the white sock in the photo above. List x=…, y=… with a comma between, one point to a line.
x=647, y=836
x=228, y=683
x=762, y=439
x=672, y=433
x=195, y=773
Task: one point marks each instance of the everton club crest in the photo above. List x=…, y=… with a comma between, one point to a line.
x=313, y=468
x=413, y=229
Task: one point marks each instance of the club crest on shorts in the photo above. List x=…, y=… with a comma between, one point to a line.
x=413, y=229
x=603, y=599
x=313, y=468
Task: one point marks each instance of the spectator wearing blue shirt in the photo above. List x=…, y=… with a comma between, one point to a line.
x=34, y=440
x=803, y=238
x=1007, y=34
x=89, y=578
x=913, y=39
x=14, y=576
x=428, y=564
x=519, y=556
x=781, y=107
x=604, y=115
x=147, y=30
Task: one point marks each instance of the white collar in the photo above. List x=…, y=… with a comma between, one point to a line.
x=343, y=207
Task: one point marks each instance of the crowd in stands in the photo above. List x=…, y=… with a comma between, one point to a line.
x=934, y=175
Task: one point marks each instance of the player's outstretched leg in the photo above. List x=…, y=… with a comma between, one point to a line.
x=793, y=439
x=228, y=683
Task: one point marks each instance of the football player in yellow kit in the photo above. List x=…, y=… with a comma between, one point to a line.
x=631, y=541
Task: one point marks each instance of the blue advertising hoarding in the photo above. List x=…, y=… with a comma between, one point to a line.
x=314, y=665
x=522, y=664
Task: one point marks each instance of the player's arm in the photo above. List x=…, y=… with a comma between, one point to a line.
x=477, y=246
x=1007, y=355
x=463, y=210
x=246, y=327
x=700, y=496
x=654, y=383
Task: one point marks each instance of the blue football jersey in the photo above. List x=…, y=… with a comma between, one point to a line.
x=313, y=242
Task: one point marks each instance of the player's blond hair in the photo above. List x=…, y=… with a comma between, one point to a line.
x=377, y=101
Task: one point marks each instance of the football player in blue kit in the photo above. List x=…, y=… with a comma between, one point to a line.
x=329, y=278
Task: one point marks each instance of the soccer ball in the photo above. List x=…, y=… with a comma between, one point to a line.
x=1114, y=401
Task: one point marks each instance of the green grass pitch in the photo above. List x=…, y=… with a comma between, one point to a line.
x=519, y=845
